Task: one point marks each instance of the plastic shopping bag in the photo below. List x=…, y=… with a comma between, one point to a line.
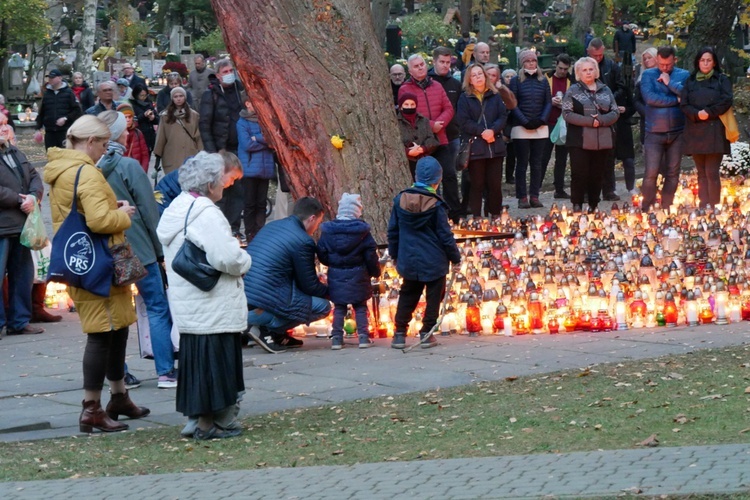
x=33, y=234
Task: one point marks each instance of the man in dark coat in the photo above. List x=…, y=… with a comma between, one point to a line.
x=59, y=110
x=611, y=76
x=282, y=287
x=559, y=80
x=624, y=43
x=221, y=105
x=128, y=72
x=21, y=189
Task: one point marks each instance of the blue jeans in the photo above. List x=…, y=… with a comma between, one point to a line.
x=657, y=148
x=15, y=259
x=529, y=154
x=279, y=325
x=360, y=316
x=151, y=289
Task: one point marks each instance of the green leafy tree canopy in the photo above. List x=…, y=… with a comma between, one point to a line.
x=23, y=21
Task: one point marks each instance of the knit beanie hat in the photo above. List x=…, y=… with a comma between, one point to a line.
x=350, y=207
x=405, y=97
x=177, y=90
x=429, y=171
x=126, y=109
x=527, y=55
x=118, y=127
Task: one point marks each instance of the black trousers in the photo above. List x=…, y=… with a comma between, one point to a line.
x=486, y=175
x=55, y=139
x=256, y=196
x=104, y=355
x=586, y=173
x=231, y=205
x=409, y=298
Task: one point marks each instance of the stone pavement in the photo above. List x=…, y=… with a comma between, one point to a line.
x=40, y=395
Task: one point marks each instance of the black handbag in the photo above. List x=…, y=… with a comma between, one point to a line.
x=464, y=153
x=190, y=263
x=80, y=257
x=464, y=150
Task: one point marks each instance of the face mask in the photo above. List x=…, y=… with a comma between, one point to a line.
x=229, y=79
x=408, y=111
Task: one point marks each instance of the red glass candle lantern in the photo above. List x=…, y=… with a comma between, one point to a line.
x=670, y=310
x=501, y=313
x=473, y=317
x=536, y=313
x=553, y=325
x=706, y=315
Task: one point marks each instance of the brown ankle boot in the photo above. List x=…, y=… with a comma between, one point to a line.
x=93, y=417
x=121, y=404
x=38, y=313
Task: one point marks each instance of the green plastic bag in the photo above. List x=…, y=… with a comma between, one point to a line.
x=559, y=133
x=33, y=234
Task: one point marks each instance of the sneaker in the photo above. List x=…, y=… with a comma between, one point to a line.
x=611, y=197
x=524, y=203
x=215, y=433
x=288, y=341
x=365, y=342
x=337, y=343
x=561, y=195
x=26, y=330
x=131, y=382
x=427, y=340
x=264, y=339
x=536, y=203
x=399, y=340
x=168, y=381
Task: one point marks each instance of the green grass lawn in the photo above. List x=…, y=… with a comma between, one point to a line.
x=695, y=399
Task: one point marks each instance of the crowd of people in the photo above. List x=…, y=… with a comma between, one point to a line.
x=218, y=163
x=511, y=115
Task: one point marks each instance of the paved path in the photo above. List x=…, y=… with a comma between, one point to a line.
x=40, y=395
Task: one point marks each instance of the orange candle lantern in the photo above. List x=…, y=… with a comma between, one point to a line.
x=473, y=317
x=536, y=313
x=670, y=310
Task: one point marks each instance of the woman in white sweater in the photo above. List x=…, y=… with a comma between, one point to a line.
x=210, y=376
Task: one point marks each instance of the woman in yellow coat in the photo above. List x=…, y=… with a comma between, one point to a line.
x=104, y=319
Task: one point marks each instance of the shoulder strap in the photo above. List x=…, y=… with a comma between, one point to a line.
x=184, y=229
x=186, y=130
x=75, y=189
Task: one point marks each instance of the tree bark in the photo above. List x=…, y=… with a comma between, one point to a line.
x=464, y=9
x=582, y=15
x=712, y=24
x=313, y=69
x=85, y=51
x=380, y=16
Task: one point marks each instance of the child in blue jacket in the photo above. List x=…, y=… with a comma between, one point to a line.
x=257, y=166
x=349, y=250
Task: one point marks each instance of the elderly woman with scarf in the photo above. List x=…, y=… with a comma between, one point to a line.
x=416, y=133
x=178, y=138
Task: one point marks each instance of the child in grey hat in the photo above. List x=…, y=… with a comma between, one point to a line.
x=349, y=250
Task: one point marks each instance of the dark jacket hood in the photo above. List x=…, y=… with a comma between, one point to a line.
x=346, y=234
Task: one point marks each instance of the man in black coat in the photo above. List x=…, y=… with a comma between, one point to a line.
x=611, y=76
x=128, y=72
x=220, y=110
x=446, y=155
x=20, y=189
x=624, y=43
x=59, y=110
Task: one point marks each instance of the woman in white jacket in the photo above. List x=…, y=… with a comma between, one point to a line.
x=210, y=376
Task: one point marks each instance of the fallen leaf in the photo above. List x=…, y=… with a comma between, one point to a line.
x=511, y=379
x=680, y=419
x=598, y=427
x=548, y=409
x=712, y=396
x=676, y=429
x=675, y=376
x=338, y=452
x=584, y=373
x=635, y=490
x=513, y=420
x=650, y=441
x=747, y=389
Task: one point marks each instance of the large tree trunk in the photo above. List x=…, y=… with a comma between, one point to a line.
x=84, y=60
x=313, y=69
x=582, y=15
x=713, y=22
x=464, y=9
x=380, y=14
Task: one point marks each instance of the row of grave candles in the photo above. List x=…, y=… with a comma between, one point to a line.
x=594, y=271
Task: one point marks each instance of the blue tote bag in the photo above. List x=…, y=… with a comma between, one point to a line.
x=79, y=257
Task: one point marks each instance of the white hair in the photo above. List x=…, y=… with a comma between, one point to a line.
x=200, y=171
